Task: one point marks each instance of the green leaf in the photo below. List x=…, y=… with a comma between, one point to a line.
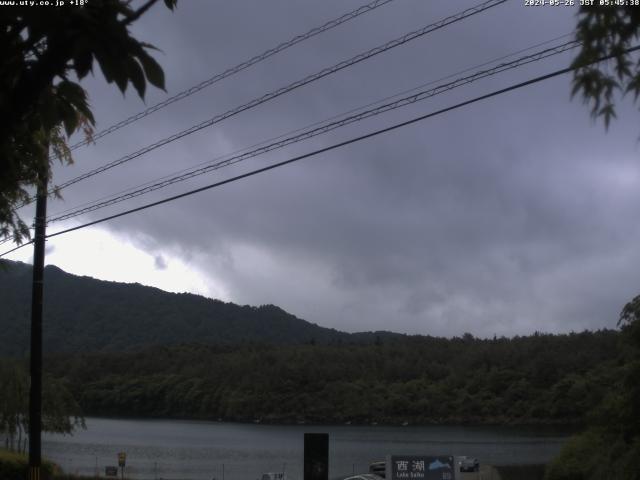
x=83, y=63
x=69, y=117
x=634, y=86
x=105, y=65
x=607, y=112
x=72, y=91
x=152, y=69
x=171, y=4
x=146, y=45
x=136, y=76
x=114, y=69
x=121, y=77
x=76, y=96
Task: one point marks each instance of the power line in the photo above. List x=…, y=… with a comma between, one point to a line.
x=337, y=145
x=16, y=248
x=236, y=69
x=264, y=142
x=292, y=86
x=314, y=124
x=227, y=73
x=345, y=143
x=402, y=102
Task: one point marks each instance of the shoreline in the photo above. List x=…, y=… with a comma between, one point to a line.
x=567, y=428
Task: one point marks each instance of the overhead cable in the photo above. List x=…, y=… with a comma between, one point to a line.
x=335, y=146
x=402, y=102
x=227, y=73
x=344, y=143
x=16, y=248
x=236, y=69
x=292, y=86
x=334, y=117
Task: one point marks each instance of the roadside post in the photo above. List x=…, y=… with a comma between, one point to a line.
x=316, y=456
x=122, y=461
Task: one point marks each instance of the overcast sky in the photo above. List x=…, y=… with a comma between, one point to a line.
x=509, y=216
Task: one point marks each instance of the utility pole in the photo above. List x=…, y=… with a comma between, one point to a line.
x=316, y=456
x=35, y=391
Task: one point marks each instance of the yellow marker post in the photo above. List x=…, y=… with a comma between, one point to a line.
x=34, y=473
x=122, y=461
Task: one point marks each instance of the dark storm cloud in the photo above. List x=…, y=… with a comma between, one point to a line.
x=505, y=217
x=159, y=262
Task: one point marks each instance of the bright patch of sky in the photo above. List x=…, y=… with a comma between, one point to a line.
x=119, y=259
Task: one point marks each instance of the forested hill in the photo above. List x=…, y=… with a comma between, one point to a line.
x=83, y=314
x=420, y=380
x=132, y=350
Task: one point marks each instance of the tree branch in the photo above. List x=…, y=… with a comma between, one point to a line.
x=138, y=13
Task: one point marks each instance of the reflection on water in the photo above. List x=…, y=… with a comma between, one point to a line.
x=171, y=449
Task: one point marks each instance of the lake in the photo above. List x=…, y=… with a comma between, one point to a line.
x=199, y=450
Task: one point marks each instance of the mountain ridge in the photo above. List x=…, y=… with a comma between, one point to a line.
x=84, y=314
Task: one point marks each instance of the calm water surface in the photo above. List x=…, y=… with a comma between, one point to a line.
x=171, y=449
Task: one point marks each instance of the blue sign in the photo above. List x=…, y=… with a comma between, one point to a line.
x=411, y=467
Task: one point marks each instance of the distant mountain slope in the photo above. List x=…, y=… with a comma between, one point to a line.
x=83, y=314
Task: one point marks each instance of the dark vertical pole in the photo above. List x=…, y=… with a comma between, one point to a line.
x=35, y=392
x=316, y=456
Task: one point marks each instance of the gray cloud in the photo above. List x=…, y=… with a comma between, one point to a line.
x=159, y=262
x=509, y=216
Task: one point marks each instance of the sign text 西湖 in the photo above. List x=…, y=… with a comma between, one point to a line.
x=416, y=467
